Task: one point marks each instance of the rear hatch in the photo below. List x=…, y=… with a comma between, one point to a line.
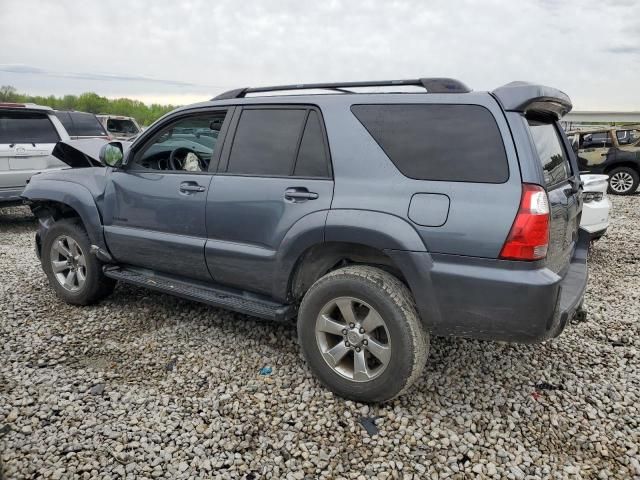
x=562, y=183
x=26, y=140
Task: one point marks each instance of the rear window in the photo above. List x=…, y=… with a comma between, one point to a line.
x=458, y=143
x=552, y=156
x=26, y=127
x=121, y=126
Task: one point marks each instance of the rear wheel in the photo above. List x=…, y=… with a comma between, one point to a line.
x=361, y=335
x=73, y=272
x=623, y=181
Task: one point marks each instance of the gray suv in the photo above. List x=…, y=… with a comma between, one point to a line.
x=377, y=219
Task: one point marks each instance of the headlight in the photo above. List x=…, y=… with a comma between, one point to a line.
x=592, y=196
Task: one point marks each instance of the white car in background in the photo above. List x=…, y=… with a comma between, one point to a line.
x=28, y=133
x=596, y=207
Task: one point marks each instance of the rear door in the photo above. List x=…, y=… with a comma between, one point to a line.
x=26, y=141
x=275, y=171
x=562, y=184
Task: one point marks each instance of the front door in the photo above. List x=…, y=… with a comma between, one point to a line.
x=275, y=172
x=155, y=206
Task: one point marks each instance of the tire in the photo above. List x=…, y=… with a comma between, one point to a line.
x=365, y=291
x=95, y=285
x=623, y=181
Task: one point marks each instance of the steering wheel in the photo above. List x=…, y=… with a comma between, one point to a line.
x=176, y=164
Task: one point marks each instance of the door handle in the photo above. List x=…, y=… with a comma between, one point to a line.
x=191, y=187
x=299, y=194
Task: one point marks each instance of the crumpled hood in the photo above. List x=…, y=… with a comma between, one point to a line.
x=82, y=153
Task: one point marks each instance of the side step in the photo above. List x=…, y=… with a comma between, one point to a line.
x=236, y=300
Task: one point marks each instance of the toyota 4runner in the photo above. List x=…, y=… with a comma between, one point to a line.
x=377, y=219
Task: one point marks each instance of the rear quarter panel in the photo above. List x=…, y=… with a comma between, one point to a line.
x=480, y=215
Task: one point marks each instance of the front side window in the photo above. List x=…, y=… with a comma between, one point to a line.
x=26, y=127
x=458, y=143
x=279, y=142
x=186, y=145
x=548, y=143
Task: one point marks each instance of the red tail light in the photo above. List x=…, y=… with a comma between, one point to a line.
x=529, y=235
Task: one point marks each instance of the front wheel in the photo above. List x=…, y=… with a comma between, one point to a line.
x=623, y=181
x=361, y=335
x=73, y=272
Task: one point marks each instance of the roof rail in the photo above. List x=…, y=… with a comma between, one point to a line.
x=432, y=85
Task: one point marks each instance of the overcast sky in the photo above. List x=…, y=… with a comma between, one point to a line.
x=185, y=51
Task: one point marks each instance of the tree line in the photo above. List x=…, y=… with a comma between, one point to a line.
x=91, y=102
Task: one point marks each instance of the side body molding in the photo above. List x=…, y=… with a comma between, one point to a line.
x=75, y=196
x=375, y=229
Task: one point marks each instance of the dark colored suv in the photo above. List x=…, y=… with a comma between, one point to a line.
x=377, y=219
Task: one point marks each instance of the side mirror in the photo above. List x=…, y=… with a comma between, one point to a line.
x=111, y=154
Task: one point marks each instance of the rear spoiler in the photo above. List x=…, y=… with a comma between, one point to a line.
x=529, y=98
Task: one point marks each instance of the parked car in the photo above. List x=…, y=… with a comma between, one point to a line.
x=596, y=207
x=366, y=215
x=611, y=151
x=120, y=127
x=28, y=133
x=81, y=125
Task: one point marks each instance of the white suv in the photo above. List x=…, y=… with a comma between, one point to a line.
x=28, y=133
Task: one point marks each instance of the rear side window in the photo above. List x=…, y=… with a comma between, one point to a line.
x=26, y=127
x=552, y=156
x=312, y=157
x=279, y=142
x=458, y=143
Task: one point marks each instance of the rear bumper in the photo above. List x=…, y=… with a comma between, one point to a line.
x=10, y=195
x=494, y=299
x=595, y=217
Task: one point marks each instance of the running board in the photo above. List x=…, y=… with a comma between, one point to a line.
x=236, y=300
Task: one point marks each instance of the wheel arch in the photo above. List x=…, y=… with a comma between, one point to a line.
x=625, y=163
x=52, y=200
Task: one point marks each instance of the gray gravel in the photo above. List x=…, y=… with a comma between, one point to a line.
x=147, y=386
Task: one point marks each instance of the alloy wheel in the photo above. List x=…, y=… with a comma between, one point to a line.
x=68, y=263
x=353, y=339
x=621, y=182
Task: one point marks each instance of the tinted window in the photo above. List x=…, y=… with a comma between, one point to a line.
x=312, y=158
x=438, y=142
x=86, y=125
x=65, y=119
x=26, y=127
x=552, y=156
x=266, y=142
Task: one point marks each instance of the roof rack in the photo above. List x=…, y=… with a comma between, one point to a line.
x=432, y=85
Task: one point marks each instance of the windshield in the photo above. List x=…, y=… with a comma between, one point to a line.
x=121, y=126
x=628, y=137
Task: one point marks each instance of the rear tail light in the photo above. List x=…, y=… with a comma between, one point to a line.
x=589, y=197
x=529, y=235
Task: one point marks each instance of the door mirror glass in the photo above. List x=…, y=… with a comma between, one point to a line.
x=111, y=154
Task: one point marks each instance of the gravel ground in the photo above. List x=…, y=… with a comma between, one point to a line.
x=147, y=386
